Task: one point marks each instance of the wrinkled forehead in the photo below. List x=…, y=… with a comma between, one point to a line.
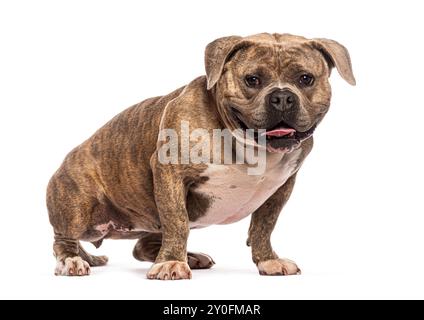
x=280, y=58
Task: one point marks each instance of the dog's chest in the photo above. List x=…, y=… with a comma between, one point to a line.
x=233, y=194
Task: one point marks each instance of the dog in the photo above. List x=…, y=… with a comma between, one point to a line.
x=117, y=184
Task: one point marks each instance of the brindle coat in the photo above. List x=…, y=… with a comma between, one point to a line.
x=114, y=186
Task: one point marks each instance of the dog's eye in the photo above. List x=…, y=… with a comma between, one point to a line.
x=306, y=80
x=252, y=81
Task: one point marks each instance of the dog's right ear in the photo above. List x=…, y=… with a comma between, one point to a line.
x=336, y=56
x=216, y=55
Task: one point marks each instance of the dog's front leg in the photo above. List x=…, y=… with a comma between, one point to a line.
x=170, y=197
x=261, y=226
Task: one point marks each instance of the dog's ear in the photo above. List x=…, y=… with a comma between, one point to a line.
x=336, y=56
x=217, y=54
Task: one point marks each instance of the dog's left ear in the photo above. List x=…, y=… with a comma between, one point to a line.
x=216, y=55
x=336, y=56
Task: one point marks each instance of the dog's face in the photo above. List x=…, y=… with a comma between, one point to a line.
x=275, y=82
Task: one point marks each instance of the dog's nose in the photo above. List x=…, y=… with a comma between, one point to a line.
x=283, y=99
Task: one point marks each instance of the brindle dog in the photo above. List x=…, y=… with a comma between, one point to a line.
x=114, y=186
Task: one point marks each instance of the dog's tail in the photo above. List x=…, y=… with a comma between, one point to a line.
x=93, y=261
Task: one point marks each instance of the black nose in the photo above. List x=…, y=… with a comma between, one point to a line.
x=283, y=99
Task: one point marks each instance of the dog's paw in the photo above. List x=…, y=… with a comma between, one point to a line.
x=72, y=267
x=278, y=267
x=169, y=270
x=199, y=260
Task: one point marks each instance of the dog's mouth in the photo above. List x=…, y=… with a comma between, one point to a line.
x=285, y=132
x=280, y=138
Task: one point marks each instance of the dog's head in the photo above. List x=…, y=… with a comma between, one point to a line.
x=275, y=82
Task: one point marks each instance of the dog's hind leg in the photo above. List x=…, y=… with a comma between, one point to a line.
x=71, y=212
x=148, y=246
x=69, y=262
x=72, y=259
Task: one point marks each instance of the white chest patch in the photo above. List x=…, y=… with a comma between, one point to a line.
x=234, y=194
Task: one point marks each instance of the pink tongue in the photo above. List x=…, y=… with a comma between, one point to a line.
x=280, y=132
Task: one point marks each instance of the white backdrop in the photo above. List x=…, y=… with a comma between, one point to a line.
x=354, y=223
